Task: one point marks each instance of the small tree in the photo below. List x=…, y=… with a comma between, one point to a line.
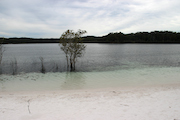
x=71, y=44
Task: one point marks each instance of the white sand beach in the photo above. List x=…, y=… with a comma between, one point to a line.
x=145, y=103
x=137, y=94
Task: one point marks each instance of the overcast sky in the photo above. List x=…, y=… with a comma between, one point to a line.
x=50, y=18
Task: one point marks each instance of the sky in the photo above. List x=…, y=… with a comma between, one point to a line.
x=50, y=18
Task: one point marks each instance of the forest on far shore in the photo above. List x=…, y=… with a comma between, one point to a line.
x=118, y=37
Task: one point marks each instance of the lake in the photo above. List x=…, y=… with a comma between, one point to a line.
x=102, y=66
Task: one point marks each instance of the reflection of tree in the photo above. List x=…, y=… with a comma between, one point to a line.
x=0, y=69
x=73, y=80
x=43, y=70
x=2, y=84
x=1, y=50
x=14, y=66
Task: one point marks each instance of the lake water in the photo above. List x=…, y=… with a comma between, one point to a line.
x=102, y=66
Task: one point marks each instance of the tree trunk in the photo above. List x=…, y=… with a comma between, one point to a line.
x=72, y=68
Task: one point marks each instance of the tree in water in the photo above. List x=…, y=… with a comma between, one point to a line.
x=71, y=44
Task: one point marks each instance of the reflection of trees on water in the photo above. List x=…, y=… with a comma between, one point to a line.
x=0, y=69
x=73, y=80
x=13, y=66
x=2, y=88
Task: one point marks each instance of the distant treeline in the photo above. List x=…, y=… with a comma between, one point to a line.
x=139, y=37
x=29, y=40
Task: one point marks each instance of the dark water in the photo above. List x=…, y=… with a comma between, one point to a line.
x=98, y=57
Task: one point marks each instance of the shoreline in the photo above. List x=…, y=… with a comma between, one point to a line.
x=92, y=90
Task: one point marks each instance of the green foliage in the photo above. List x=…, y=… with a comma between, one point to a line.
x=71, y=44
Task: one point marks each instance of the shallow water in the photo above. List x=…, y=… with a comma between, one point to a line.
x=90, y=80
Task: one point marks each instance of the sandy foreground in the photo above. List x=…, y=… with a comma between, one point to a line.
x=145, y=103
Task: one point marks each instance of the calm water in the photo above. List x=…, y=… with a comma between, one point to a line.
x=98, y=57
x=103, y=65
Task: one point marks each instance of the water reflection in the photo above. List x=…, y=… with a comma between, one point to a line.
x=73, y=80
x=99, y=57
x=2, y=88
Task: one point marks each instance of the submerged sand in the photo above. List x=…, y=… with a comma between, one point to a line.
x=145, y=103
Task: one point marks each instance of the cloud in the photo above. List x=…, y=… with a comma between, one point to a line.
x=50, y=18
x=155, y=16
